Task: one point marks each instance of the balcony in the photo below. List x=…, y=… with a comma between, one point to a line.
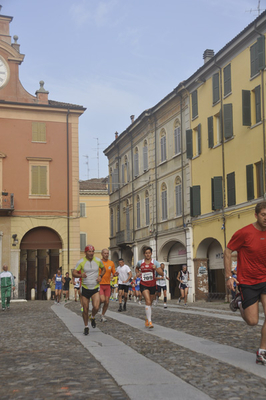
x=124, y=237
x=6, y=203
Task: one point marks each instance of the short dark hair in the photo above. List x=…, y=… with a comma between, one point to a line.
x=260, y=206
x=120, y=259
x=146, y=248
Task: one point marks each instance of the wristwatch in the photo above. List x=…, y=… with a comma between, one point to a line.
x=227, y=279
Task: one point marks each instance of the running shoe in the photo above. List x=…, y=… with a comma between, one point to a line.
x=86, y=331
x=125, y=307
x=103, y=319
x=140, y=303
x=146, y=323
x=150, y=325
x=179, y=300
x=164, y=306
x=261, y=357
x=234, y=303
x=93, y=323
x=120, y=308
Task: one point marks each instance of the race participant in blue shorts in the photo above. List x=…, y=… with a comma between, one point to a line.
x=59, y=280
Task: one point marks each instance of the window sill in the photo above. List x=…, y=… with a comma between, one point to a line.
x=257, y=124
x=162, y=162
x=197, y=156
x=217, y=102
x=228, y=139
x=227, y=95
x=255, y=76
x=193, y=118
x=39, y=196
x=217, y=145
x=176, y=155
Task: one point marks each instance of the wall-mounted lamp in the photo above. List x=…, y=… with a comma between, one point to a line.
x=15, y=239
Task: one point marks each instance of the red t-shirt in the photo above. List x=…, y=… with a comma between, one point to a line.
x=250, y=244
x=147, y=274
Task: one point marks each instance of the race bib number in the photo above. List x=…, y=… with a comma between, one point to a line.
x=147, y=276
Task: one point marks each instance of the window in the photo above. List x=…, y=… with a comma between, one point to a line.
x=82, y=209
x=163, y=145
x=227, y=80
x=197, y=140
x=259, y=179
x=194, y=100
x=147, y=208
x=110, y=181
x=228, y=121
x=251, y=106
x=164, y=201
x=118, y=219
x=210, y=133
x=145, y=156
x=125, y=172
x=254, y=184
x=215, y=88
x=217, y=193
x=39, y=177
x=257, y=56
x=115, y=178
x=127, y=216
x=83, y=241
x=177, y=139
x=136, y=162
x=250, y=181
x=112, y=222
x=39, y=132
x=189, y=143
x=178, y=197
x=195, y=207
x=231, y=191
x=138, y=212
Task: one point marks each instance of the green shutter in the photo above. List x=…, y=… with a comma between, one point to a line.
x=210, y=132
x=38, y=132
x=250, y=182
x=246, y=109
x=189, y=143
x=217, y=193
x=195, y=201
x=215, y=88
x=199, y=139
x=261, y=52
x=38, y=179
x=194, y=98
x=228, y=121
x=254, y=63
x=231, y=195
x=257, y=104
x=227, y=80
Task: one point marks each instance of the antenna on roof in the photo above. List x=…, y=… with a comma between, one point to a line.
x=258, y=9
x=88, y=168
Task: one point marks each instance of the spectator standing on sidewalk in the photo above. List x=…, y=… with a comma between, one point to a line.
x=250, y=244
x=7, y=284
x=91, y=271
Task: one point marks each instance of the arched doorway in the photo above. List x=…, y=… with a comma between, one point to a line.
x=39, y=258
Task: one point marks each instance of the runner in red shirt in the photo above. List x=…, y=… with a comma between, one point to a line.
x=148, y=268
x=250, y=244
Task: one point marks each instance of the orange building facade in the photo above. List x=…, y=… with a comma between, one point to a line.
x=39, y=176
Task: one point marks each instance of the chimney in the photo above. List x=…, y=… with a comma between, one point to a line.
x=116, y=134
x=207, y=55
x=132, y=117
x=42, y=94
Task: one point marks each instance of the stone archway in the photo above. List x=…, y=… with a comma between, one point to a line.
x=40, y=258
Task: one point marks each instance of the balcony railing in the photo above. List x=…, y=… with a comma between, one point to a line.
x=6, y=201
x=124, y=237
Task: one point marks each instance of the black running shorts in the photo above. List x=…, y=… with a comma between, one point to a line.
x=152, y=289
x=250, y=294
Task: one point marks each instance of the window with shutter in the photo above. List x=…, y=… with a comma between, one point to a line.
x=82, y=207
x=257, y=104
x=259, y=179
x=177, y=139
x=147, y=209
x=250, y=182
x=217, y=193
x=199, y=139
x=138, y=212
x=231, y=191
x=163, y=147
x=118, y=219
x=228, y=121
x=178, y=199
x=39, y=132
x=261, y=52
x=227, y=80
x=127, y=219
x=83, y=241
x=195, y=206
x=194, y=99
x=164, y=202
x=210, y=132
x=136, y=163
x=215, y=88
x=39, y=180
x=145, y=157
x=189, y=143
x=254, y=61
x=112, y=222
x=246, y=108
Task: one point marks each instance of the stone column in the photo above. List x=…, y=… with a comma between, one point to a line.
x=31, y=271
x=14, y=268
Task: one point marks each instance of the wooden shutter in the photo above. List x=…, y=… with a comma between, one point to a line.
x=227, y=79
x=231, y=195
x=38, y=179
x=136, y=164
x=257, y=104
x=147, y=210
x=194, y=99
x=217, y=193
x=178, y=199
x=38, y=132
x=189, y=143
x=261, y=52
x=138, y=214
x=246, y=109
x=83, y=240
x=199, y=139
x=228, y=121
x=215, y=88
x=195, y=208
x=163, y=148
x=164, y=205
x=145, y=158
x=250, y=182
x=254, y=63
x=210, y=132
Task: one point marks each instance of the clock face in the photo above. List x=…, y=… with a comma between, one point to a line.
x=4, y=75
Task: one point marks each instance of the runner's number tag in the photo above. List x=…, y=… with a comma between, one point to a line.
x=147, y=276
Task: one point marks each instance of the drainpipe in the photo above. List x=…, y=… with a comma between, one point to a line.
x=156, y=189
x=182, y=160
x=133, y=197
x=68, y=213
x=263, y=117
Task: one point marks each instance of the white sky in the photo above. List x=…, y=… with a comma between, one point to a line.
x=118, y=57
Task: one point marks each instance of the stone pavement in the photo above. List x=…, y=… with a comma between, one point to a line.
x=201, y=351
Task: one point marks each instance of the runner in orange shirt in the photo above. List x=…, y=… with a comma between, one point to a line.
x=105, y=288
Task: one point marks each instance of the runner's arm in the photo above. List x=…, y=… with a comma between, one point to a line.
x=227, y=269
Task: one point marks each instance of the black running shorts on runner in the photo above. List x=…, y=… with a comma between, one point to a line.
x=123, y=287
x=88, y=293
x=152, y=289
x=160, y=288
x=250, y=294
